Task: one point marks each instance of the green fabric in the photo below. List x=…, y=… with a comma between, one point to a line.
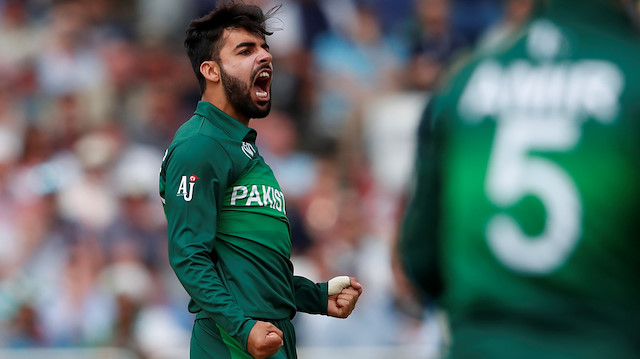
x=307, y=298
x=209, y=340
x=235, y=348
x=289, y=337
x=591, y=13
x=522, y=223
x=229, y=237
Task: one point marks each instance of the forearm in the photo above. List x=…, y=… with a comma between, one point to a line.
x=310, y=297
x=196, y=271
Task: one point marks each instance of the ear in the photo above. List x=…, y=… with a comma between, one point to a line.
x=210, y=70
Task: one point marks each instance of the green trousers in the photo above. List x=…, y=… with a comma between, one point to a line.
x=209, y=341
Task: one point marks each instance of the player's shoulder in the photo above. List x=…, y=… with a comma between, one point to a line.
x=196, y=126
x=196, y=149
x=191, y=134
x=199, y=141
x=195, y=140
x=453, y=82
x=619, y=49
x=627, y=56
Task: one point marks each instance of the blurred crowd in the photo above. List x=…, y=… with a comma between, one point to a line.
x=91, y=92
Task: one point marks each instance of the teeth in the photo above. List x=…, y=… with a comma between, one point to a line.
x=262, y=94
x=264, y=74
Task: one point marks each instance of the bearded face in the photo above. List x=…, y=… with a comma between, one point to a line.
x=239, y=93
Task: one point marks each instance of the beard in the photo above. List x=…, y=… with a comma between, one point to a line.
x=239, y=96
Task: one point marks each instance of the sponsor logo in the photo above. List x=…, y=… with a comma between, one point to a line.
x=185, y=183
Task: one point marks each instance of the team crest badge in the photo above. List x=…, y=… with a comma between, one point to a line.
x=185, y=190
x=248, y=149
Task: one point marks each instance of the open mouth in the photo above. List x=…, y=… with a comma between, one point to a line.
x=262, y=84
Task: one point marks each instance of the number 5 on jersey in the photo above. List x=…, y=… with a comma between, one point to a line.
x=514, y=173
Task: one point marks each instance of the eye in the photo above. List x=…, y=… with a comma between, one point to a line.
x=244, y=52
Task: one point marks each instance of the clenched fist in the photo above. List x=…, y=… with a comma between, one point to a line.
x=265, y=339
x=342, y=304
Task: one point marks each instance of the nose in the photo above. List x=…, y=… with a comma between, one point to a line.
x=264, y=57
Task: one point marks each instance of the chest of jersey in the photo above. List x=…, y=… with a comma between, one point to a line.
x=254, y=206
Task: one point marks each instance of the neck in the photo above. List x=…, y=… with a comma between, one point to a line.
x=219, y=100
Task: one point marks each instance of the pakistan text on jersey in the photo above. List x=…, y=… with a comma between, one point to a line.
x=258, y=195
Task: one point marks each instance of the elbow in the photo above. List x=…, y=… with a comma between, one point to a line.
x=187, y=256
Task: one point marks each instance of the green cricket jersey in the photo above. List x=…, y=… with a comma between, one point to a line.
x=229, y=237
x=523, y=223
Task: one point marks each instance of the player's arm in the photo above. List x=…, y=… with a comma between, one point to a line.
x=418, y=242
x=192, y=224
x=336, y=298
x=310, y=297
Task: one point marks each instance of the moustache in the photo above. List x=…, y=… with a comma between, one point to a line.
x=255, y=73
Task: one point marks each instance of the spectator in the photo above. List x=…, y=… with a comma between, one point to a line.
x=433, y=43
x=352, y=65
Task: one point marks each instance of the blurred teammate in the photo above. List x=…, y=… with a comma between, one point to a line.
x=229, y=241
x=524, y=222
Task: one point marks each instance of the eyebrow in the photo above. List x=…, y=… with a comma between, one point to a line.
x=251, y=44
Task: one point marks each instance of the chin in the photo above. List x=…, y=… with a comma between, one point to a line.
x=259, y=110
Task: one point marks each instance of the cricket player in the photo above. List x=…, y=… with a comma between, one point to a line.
x=229, y=237
x=523, y=223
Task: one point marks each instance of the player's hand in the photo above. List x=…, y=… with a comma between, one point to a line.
x=342, y=304
x=265, y=339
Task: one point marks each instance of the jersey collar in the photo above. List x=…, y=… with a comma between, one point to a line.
x=228, y=124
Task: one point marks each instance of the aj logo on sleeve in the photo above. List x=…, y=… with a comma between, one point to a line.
x=182, y=189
